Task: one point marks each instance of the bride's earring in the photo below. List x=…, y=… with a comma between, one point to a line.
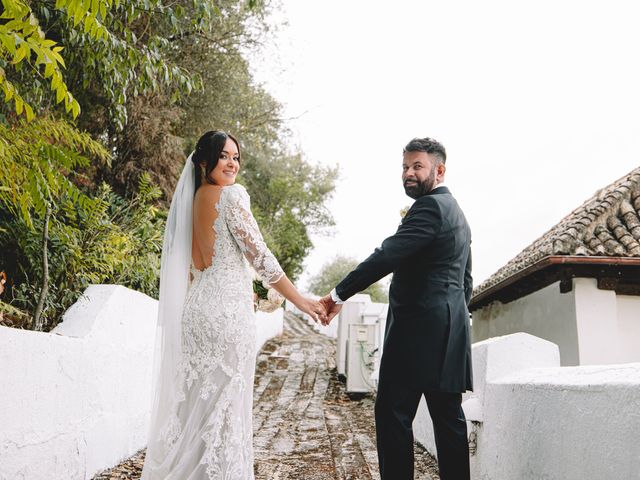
x=203, y=174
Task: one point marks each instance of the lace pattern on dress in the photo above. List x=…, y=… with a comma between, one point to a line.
x=228, y=440
x=246, y=232
x=218, y=339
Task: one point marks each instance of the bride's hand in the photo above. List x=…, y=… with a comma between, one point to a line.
x=314, y=309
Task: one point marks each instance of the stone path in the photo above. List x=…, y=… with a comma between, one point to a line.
x=306, y=427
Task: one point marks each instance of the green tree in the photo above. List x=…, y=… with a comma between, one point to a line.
x=163, y=132
x=51, y=206
x=139, y=80
x=288, y=198
x=36, y=161
x=109, y=52
x=29, y=54
x=335, y=270
x=288, y=194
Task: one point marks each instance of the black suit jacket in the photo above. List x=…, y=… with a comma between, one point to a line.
x=427, y=340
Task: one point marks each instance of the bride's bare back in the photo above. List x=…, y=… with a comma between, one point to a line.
x=205, y=214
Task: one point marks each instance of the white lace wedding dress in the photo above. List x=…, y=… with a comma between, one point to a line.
x=209, y=435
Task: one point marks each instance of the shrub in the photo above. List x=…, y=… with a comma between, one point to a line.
x=107, y=239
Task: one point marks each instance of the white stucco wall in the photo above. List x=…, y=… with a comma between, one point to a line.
x=608, y=324
x=77, y=400
x=591, y=326
x=268, y=325
x=546, y=313
x=628, y=325
x=532, y=419
x=569, y=423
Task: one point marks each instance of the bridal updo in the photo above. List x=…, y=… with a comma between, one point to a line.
x=208, y=149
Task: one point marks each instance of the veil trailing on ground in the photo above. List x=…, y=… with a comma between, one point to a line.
x=174, y=283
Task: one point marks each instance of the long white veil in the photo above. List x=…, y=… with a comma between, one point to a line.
x=174, y=283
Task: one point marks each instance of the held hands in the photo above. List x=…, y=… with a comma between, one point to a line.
x=314, y=309
x=321, y=311
x=331, y=307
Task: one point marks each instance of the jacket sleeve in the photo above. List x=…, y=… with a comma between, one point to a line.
x=244, y=228
x=468, y=281
x=417, y=230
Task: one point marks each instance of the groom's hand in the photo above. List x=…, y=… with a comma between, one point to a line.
x=315, y=309
x=331, y=307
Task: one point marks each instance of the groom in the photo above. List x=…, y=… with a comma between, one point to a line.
x=427, y=345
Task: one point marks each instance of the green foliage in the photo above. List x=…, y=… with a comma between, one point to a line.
x=38, y=161
x=12, y=316
x=24, y=46
x=168, y=71
x=229, y=98
x=105, y=240
x=113, y=50
x=132, y=58
x=288, y=198
x=288, y=195
x=335, y=270
x=224, y=97
x=92, y=238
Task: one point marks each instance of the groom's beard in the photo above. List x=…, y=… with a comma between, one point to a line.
x=419, y=189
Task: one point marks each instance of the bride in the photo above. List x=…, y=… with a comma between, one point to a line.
x=201, y=420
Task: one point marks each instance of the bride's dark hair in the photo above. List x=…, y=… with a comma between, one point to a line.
x=207, y=153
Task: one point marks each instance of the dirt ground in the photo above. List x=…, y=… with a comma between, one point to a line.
x=305, y=425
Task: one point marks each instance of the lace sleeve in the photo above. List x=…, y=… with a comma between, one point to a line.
x=244, y=228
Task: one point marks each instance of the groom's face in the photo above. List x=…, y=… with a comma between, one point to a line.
x=418, y=173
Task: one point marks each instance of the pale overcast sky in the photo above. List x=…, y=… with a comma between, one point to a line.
x=537, y=103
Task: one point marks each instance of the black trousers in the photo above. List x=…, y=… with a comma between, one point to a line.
x=396, y=407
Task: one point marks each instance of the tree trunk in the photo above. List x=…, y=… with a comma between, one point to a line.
x=37, y=317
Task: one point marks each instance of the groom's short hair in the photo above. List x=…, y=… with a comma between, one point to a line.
x=427, y=145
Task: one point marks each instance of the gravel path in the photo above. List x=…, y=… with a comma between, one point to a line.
x=306, y=427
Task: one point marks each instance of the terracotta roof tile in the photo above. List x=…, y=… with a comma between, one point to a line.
x=608, y=224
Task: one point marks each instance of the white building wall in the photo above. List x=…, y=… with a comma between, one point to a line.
x=77, y=400
x=596, y=316
x=546, y=313
x=628, y=323
x=608, y=324
x=591, y=326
